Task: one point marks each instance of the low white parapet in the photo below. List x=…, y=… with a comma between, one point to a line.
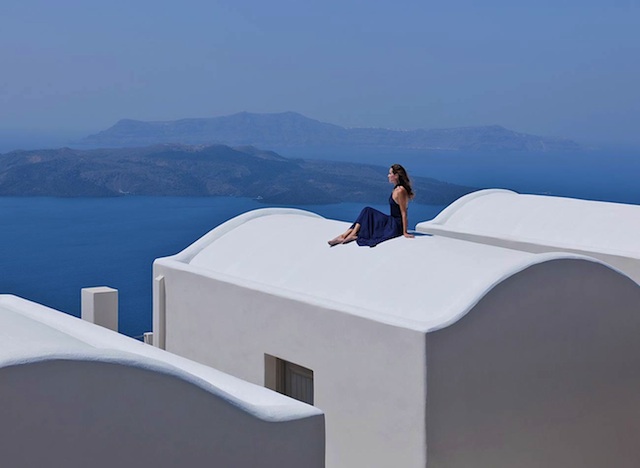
x=147, y=337
x=539, y=223
x=100, y=306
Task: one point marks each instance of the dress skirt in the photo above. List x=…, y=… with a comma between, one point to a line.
x=376, y=227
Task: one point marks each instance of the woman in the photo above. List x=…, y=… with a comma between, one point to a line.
x=372, y=227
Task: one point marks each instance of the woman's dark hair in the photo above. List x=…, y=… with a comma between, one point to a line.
x=403, y=178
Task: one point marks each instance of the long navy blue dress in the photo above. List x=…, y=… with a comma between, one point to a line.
x=376, y=227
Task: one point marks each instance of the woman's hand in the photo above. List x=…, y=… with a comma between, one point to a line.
x=408, y=236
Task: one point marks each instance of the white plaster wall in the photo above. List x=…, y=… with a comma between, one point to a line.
x=76, y=414
x=543, y=372
x=369, y=377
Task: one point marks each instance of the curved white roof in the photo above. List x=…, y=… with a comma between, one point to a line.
x=31, y=333
x=424, y=283
x=561, y=223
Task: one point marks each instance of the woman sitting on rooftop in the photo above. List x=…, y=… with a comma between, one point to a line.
x=372, y=226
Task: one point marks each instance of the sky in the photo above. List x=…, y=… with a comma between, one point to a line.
x=552, y=68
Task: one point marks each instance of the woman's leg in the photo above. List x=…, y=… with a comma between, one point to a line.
x=340, y=239
x=347, y=236
x=353, y=235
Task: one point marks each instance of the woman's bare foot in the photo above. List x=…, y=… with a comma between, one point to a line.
x=350, y=238
x=336, y=241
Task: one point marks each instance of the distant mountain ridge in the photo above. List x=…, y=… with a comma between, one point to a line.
x=290, y=129
x=215, y=170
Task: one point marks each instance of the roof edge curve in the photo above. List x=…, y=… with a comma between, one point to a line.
x=192, y=250
x=291, y=410
x=537, y=259
x=445, y=214
x=106, y=346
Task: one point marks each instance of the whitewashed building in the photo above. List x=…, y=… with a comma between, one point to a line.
x=535, y=223
x=76, y=395
x=421, y=352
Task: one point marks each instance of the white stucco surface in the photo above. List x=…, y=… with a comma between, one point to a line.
x=406, y=340
x=286, y=251
x=543, y=372
x=562, y=223
x=54, y=350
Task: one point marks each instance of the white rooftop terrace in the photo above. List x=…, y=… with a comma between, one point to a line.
x=437, y=349
x=425, y=283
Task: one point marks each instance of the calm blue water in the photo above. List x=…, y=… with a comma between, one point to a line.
x=597, y=175
x=51, y=248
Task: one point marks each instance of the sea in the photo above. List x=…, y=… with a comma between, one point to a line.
x=51, y=248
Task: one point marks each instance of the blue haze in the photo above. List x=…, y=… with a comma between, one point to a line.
x=556, y=68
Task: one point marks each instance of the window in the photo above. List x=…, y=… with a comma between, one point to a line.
x=288, y=378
